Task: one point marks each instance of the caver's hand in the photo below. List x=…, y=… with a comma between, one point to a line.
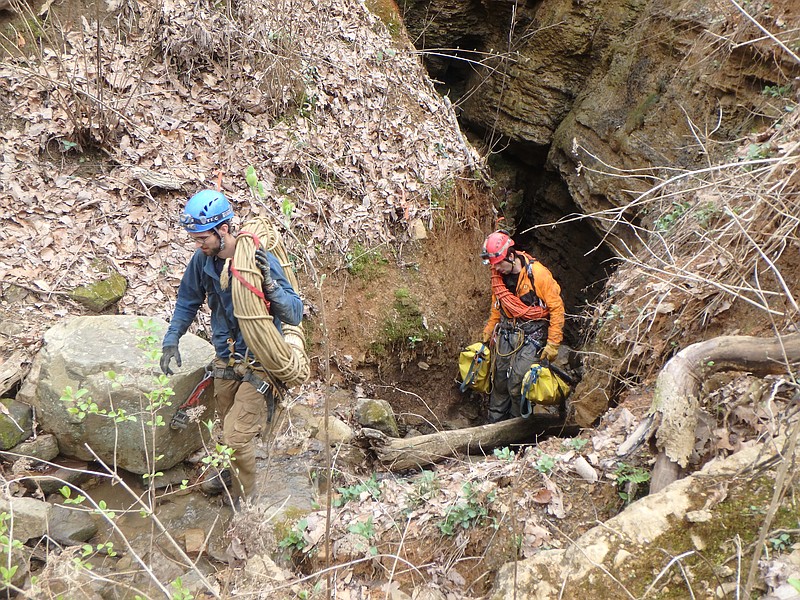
x=268, y=284
x=167, y=354
x=549, y=352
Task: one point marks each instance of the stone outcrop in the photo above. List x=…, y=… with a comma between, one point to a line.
x=611, y=556
x=79, y=354
x=609, y=84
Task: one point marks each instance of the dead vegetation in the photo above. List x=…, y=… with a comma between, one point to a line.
x=233, y=86
x=716, y=253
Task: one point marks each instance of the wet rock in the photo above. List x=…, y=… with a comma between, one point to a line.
x=70, y=526
x=100, y=295
x=43, y=447
x=338, y=432
x=29, y=517
x=377, y=414
x=69, y=472
x=194, y=541
x=77, y=354
x=15, y=423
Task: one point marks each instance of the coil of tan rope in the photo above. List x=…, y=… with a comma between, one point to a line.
x=283, y=356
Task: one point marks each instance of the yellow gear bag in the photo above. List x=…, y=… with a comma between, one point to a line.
x=541, y=385
x=474, y=368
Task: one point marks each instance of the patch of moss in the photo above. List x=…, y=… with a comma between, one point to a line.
x=735, y=523
x=100, y=295
x=407, y=327
x=389, y=14
x=365, y=263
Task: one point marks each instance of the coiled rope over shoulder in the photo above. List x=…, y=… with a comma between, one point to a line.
x=283, y=356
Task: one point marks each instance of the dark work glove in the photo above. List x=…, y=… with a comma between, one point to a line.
x=167, y=354
x=268, y=284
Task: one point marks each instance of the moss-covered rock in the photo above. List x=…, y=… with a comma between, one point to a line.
x=16, y=423
x=98, y=296
x=377, y=414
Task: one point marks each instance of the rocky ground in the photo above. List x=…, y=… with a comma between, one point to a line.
x=364, y=166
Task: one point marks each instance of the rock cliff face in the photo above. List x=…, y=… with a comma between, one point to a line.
x=635, y=85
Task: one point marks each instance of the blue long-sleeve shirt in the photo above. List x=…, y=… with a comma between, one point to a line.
x=201, y=281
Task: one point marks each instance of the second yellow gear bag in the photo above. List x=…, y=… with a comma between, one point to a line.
x=542, y=385
x=475, y=369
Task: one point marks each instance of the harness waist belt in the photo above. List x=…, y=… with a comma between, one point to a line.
x=262, y=386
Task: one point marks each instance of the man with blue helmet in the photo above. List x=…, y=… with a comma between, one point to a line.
x=240, y=384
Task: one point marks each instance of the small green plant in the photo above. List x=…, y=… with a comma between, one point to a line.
x=545, y=464
x=426, y=488
x=757, y=151
x=706, y=212
x=221, y=457
x=506, y=454
x=370, y=487
x=7, y=544
x=294, y=539
x=776, y=91
x=754, y=510
x=413, y=340
x=794, y=582
x=780, y=542
x=181, y=592
x=367, y=531
x=467, y=512
x=666, y=221
x=614, y=312
x=576, y=444
x=66, y=491
x=628, y=478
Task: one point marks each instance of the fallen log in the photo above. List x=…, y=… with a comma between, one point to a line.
x=676, y=399
x=399, y=454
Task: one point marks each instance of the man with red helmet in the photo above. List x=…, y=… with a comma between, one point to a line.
x=526, y=321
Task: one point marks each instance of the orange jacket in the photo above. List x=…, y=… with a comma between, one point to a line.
x=546, y=289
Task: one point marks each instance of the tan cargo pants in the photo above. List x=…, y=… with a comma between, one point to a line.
x=243, y=412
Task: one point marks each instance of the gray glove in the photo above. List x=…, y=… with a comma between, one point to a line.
x=268, y=284
x=167, y=354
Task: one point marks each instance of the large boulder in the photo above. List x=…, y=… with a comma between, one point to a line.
x=79, y=354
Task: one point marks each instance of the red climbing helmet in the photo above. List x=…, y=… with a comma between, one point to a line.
x=496, y=247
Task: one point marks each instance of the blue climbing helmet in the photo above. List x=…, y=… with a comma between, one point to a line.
x=206, y=210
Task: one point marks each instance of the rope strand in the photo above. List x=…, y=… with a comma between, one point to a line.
x=283, y=356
